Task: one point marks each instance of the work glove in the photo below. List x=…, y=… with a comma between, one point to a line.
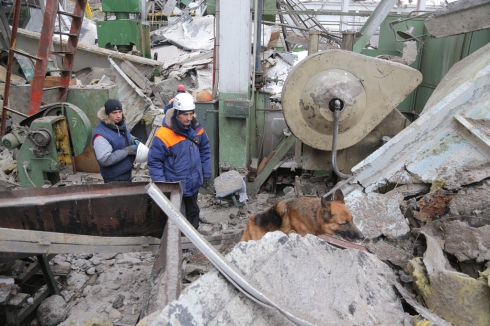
x=135, y=142
x=206, y=183
x=132, y=149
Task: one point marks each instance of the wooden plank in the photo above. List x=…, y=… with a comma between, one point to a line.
x=217, y=240
x=47, y=238
x=40, y=242
x=18, y=299
x=13, y=246
x=264, y=162
x=342, y=243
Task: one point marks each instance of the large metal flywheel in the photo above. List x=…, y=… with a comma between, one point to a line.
x=367, y=88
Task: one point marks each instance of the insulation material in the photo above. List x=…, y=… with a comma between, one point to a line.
x=454, y=296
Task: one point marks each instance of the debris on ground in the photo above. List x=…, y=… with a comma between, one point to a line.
x=341, y=286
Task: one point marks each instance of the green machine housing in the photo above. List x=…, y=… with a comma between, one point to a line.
x=45, y=150
x=121, y=31
x=48, y=141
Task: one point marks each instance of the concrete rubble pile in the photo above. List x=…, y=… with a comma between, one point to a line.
x=341, y=286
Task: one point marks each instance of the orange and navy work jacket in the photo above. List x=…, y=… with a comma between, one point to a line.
x=180, y=154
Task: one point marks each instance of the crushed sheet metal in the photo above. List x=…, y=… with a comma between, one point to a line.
x=451, y=158
x=196, y=34
x=134, y=101
x=232, y=274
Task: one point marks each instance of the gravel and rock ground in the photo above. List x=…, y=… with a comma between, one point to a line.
x=109, y=289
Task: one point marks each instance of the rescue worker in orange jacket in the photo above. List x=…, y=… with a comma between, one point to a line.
x=180, y=152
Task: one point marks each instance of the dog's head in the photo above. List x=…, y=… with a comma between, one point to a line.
x=337, y=219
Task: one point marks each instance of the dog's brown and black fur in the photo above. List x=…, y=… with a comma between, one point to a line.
x=304, y=215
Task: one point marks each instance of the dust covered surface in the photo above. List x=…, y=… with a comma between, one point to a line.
x=346, y=287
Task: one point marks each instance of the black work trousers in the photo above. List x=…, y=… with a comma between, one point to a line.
x=123, y=177
x=190, y=209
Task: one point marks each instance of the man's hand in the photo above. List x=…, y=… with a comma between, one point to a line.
x=132, y=149
x=135, y=142
x=206, y=183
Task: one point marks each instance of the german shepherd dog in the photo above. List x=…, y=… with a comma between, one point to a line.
x=304, y=215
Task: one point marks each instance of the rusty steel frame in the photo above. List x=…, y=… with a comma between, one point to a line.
x=167, y=269
x=113, y=209
x=71, y=48
x=43, y=52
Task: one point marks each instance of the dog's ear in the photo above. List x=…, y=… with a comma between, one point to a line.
x=326, y=208
x=338, y=196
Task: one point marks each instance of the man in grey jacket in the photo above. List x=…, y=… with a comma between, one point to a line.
x=114, y=146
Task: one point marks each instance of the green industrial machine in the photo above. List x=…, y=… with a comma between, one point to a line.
x=120, y=31
x=48, y=143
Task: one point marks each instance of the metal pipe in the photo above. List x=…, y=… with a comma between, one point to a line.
x=10, y=62
x=254, y=51
x=216, y=52
x=329, y=36
x=313, y=41
x=258, y=19
x=229, y=271
x=336, y=114
x=287, y=46
x=347, y=40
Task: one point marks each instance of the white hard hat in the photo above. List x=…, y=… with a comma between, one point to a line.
x=184, y=102
x=141, y=153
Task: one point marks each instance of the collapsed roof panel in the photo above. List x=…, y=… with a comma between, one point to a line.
x=450, y=149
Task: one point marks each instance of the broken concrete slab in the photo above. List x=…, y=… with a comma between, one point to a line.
x=459, y=17
x=411, y=190
x=466, y=242
x=20, y=97
x=217, y=216
x=361, y=294
x=389, y=253
x=377, y=214
x=472, y=200
x=454, y=296
x=228, y=183
x=463, y=241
